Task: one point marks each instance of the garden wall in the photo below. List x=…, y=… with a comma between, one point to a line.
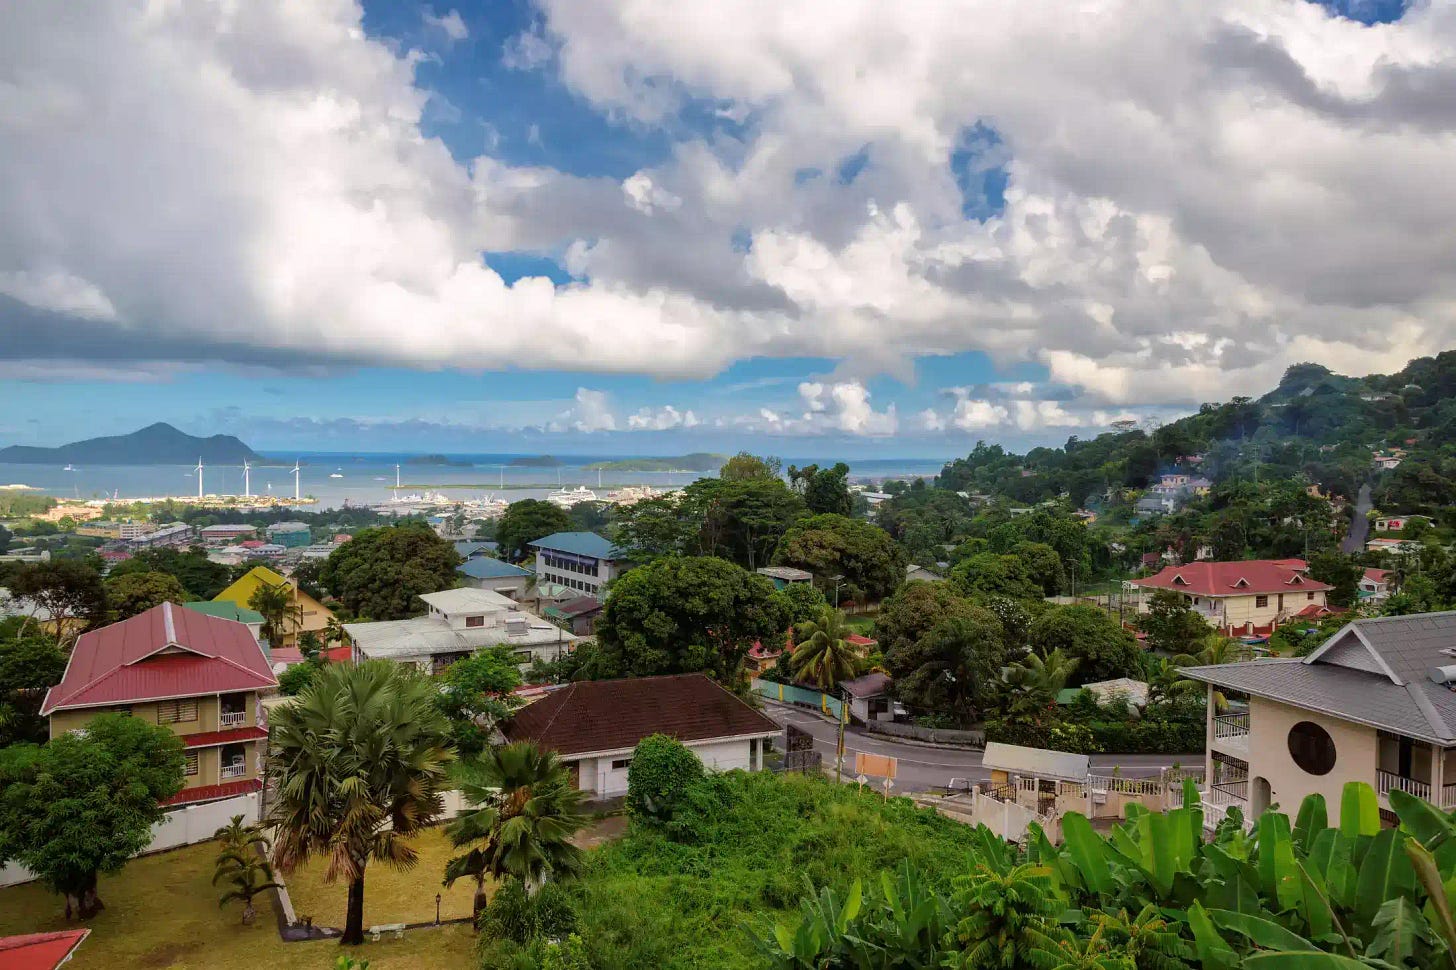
x=971, y=739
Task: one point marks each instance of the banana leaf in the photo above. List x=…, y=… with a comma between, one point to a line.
x=1213, y=951
x=1385, y=872
x=1264, y=934
x=1359, y=810
x=1278, y=875
x=1331, y=859
x=1438, y=905
x=1314, y=904
x=1303, y=960
x=1312, y=819
x=1401, y=933
x=1086, y=851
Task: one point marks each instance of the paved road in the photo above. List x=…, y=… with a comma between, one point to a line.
x=922, y=767
x=1359, y=525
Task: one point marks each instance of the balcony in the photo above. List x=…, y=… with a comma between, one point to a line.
x=232, y=719
x=234, y=770
x=1388, y=781
x=1231, y=732
x=1219, y=798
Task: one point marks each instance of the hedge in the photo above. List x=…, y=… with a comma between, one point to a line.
x=1103, y=737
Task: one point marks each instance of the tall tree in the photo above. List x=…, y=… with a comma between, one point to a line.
x=952, y=668
x=1102, y=648
x=68, y=590
x=745, y=466
x=871, y=563
x=201, y=577
x=526, y=521
x=1035, y=680
x=825, y=490
x=741, y=519
x=85, y=803
x=136, y=593
x=528, y=810
x=1172, y=626
x=823, y=657
x=685, y=615
x=915, y=609
x=380, y=573
x=1341, y=572
x=992, y=575
x=475, y=694
x=359, y=760
x=30, y=662
x=274, y=602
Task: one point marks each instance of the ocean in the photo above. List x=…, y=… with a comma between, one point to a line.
x=368, y=479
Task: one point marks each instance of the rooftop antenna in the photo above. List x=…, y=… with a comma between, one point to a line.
x=295, y=480
x=247, y=484
x=199, y=476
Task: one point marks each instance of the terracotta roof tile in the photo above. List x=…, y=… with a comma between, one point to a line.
x=1235, y=578
x=611, y=715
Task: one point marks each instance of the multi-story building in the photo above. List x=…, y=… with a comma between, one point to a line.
x=290, y=534
x=460, y=622
x=1375, y=703
x=198, y=675
x=583, y=561
x=1240, y=598
x=305, y=615
x=226, y=532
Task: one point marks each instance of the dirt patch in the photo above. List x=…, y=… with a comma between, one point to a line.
x=601, y=831
x=166, y=956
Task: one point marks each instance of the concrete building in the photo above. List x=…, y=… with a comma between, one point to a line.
x=198, y=675
x=1374, y=703
x=290, y=535
x=583, y=561
x=1239, y=598
x=460, y=622
x=226, y=532
x=594, y=726
x=496, y=575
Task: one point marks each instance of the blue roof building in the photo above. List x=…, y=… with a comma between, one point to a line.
x=495, y=575
x=582, y=561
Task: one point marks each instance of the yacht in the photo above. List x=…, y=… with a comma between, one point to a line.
x=336, y=474
x=68, y=468
x=567, y=497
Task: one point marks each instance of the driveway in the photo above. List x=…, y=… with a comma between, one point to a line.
x=923, y=767
x=1359, y=525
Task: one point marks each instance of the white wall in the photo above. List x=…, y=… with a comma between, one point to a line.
x=181, y=826
x=598, y=777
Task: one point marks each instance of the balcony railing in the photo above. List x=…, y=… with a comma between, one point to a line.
x=231, y=719
x=1230, y=726
x=235, y=770
x=1386, y=781
x=1448, y=796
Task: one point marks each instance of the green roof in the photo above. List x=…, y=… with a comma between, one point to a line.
x=226, y=610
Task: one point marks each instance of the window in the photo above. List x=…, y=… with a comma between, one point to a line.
x=175, y=712
x=1261, y=601
x=475, y=621
x=621, y=763
x=189, y=763
x=1309, y=596
x=1312, y=748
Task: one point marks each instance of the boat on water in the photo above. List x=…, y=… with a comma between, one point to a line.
x=68, y=468
x=567, y=497
x=336, y=474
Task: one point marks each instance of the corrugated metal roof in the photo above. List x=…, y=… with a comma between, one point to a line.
x=580, y=544
x=167, y=651
x=226, y=609
x=483, y=567
x=1235, y=578
x=1040, y=762
x=211, y=793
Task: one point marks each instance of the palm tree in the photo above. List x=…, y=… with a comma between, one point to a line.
x=280, y=614
x=824, y=656
x=529, y=810
x=1035, y=681
x=359, y=759
x=246, y=876
x=1216, y=650
x=334, y=632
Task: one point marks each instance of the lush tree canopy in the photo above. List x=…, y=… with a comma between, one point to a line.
x=825, y=490
x=134, y=593
x=745, y=466
x=112, y=777
x=951, y=670
x=914, y=610
x=995, y=575
x=803, y=601
x=1172, y=625
x=30, y=662
x=202, y=578
x=64, y=587
x=475, y=694
x=683, y=615
x=1102, y=648
x=380, y=573
x=872, y=564
x=526, y=521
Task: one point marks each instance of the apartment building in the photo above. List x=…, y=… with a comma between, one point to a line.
x=198, y=675
x=582, y=561
x=1375, y=703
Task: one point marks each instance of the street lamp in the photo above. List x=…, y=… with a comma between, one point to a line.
x=837, y=584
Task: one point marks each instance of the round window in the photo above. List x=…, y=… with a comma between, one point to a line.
x=1312, y=748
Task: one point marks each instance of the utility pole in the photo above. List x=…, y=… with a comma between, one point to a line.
x=839, y=747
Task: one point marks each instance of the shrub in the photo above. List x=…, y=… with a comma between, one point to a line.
x=662, y=772
x=515, y=916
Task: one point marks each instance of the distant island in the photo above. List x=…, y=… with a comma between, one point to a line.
x=536, y=461
x=438, y=460
x=698, y=461
x=156, y=444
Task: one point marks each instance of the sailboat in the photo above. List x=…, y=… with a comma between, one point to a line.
x=336, y=473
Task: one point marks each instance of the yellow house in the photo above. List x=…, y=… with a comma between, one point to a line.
x=307, y=615
x=198, y=675
x=1238, y=598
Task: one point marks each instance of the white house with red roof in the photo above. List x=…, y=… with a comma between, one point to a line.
x=1376, y=585
x=198, y=675
x=1241, y=598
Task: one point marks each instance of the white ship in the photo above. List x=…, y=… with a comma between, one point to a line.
x=567, y=497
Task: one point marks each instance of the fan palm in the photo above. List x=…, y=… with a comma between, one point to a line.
x=1035, y=680
x=358, y=762
x=529, y=808
x=824, y=656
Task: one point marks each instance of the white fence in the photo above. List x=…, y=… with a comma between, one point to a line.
x=1008, y=819
x=182, y=826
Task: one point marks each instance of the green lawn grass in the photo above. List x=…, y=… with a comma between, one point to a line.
x=161, y=911
x=390, y=896
x=862, y=624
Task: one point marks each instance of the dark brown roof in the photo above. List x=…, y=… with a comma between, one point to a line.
x=609, y=715
x=870, y=685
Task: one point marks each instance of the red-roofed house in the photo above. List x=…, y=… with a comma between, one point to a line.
x=199, y=675
x=39, y=951
x=1247, y=597
x=1376, y=585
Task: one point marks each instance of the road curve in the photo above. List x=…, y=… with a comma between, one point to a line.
x=922, y=767
x=1354, y=540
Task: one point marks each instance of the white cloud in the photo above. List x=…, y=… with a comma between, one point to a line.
x=591, y=413
x=451, y=24
x=664, y=418
x=1196, y=196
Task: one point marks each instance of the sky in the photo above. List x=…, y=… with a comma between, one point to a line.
x=648, y=227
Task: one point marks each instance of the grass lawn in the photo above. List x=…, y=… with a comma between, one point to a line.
x=161, y=911
x=863, y=624
x=390, y=896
